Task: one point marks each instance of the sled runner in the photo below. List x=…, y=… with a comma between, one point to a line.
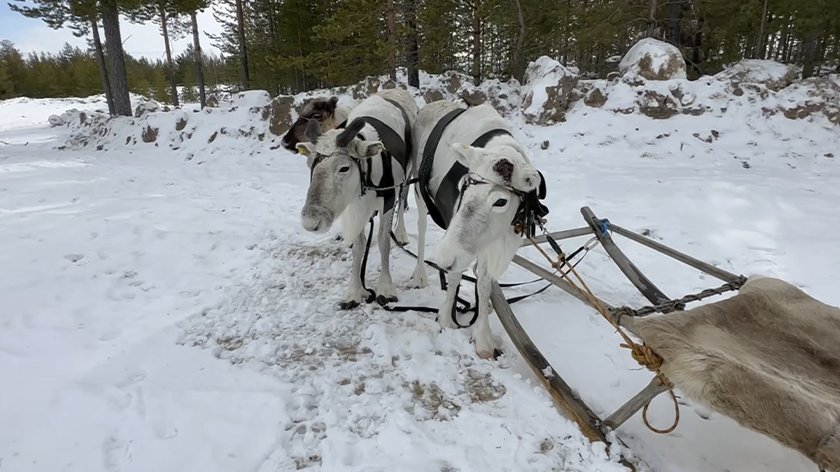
x=767, y=357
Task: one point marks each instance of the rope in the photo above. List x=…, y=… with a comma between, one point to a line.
x=642, y=354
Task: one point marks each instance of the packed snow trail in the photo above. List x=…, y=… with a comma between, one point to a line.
x=165, y=313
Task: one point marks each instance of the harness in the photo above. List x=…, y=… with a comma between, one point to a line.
x=396, y=148
x=528, y=215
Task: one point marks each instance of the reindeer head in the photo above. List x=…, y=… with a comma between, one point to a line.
x=336, y=160
x=321, y=110
x=491, y=193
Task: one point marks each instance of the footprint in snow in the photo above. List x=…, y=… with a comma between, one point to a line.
x=74, y=257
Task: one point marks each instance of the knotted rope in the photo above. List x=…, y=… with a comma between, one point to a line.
x=644, y=355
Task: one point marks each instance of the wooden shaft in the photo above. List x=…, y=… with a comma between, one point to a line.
x=717, y=272
x=556, y=280
x=626, y=411
x=637, y=278
x=559, y=235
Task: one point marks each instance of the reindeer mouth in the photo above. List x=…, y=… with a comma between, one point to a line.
x=316, y=219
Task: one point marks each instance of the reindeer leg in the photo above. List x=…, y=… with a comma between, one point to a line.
x=445, y=311
x=402, y=205
x=420, y=279
x=385, y=289
x=485, y=344
x=355, y=294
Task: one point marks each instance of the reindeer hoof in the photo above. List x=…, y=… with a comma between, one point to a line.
x=486, y=355
x=382, y=300
x=371, y=297
x=339, y=237
x=348, y=305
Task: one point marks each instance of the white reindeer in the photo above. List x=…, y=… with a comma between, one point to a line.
x=330, y=114
x=476, y=193
x=350, y=168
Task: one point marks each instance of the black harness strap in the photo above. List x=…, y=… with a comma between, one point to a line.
x=448, y=190
x=403, y=160
x=485, y=138
x=396, y=147
x=426, y=163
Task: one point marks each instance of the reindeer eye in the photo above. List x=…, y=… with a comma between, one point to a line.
x=344, y=169
x=500, y=202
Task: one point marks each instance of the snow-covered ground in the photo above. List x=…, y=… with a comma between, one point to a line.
x=159, y=313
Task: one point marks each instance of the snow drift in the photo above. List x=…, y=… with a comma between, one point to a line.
x=652, y=84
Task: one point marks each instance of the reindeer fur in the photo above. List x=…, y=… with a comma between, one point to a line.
x=768, y=357
x=474, y=234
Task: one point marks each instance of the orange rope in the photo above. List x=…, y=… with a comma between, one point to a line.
x=642, y=354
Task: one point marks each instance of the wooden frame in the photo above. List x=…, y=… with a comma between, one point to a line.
x=592, y=426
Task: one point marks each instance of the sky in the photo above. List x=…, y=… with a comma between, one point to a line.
x=139, y=40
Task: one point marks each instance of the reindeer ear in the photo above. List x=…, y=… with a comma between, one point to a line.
x=368, y=149
x=349, y=134
x=313, y=130
x=472, y=155
x=306, y=149
x=527, y=179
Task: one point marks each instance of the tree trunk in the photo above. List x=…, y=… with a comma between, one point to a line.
x=170, y=66
x=759, y=47
x=243, y=51
x=785, y=35
x=696, y=48
x=392, y=40
x=413, y=47
x=518, y=71
x=809, y=56
x=675, y=30
x=476, y=43
x=652, y=19
x=116, y=57
x=198, y=69
x=103, y=70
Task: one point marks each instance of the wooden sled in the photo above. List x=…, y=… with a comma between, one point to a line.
x=591, y=425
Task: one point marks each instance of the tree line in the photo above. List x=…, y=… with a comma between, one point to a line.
x=294, y=45
x=74, y=72
x=288, y=46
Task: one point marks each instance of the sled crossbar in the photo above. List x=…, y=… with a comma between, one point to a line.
x=591, y=425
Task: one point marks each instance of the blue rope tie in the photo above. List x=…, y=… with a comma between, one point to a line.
x=603, y=226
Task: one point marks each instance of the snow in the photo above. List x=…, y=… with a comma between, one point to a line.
x=541, y=74
x=162, y=308
x=654, y=60
x=761, y=71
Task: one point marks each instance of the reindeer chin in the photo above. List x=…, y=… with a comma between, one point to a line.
x=316, y=220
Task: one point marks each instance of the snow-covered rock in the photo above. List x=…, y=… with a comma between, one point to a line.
x=549, y=91
x=56, y=120
x=251, y=98
x=773, y=75
x=652, y=59
x=144, y=107
x=812, y=97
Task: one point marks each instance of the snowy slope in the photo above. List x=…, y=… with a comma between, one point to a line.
x=162, y=308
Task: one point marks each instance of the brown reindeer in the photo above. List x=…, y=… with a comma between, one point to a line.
x=325, y=110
